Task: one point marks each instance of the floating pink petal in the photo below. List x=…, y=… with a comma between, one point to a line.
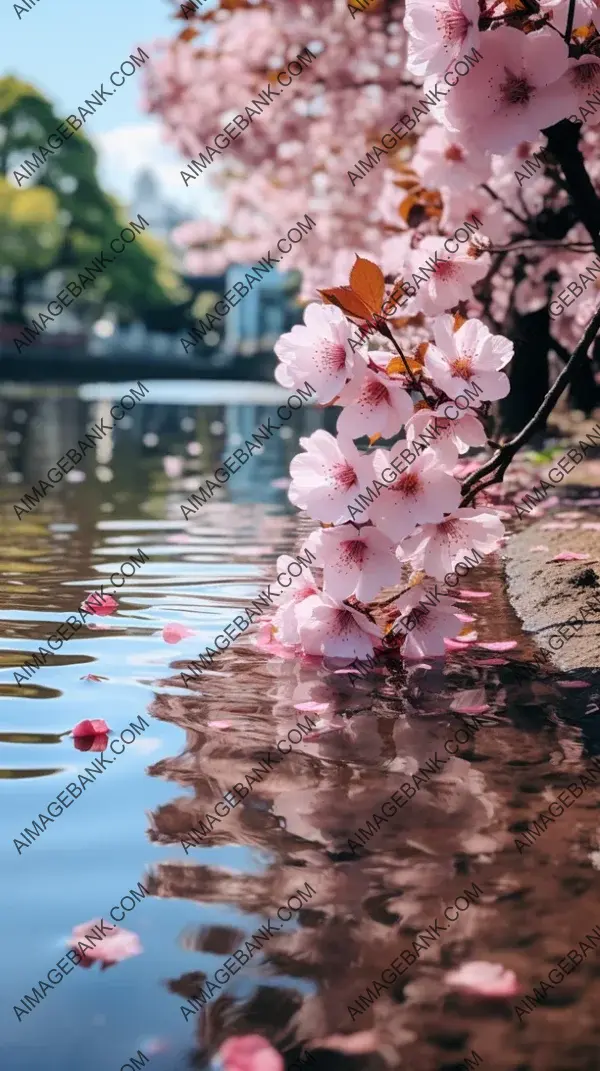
x=464, y=593
x=90, y=728
x=454, y=645
x=103, y=605
x=220, y=724
x=572, y=684
x=92, y=743
x=591, y=526
x=116, y=944
x=317, y=707
x=498, y=645
x=571, y=515
x=174, y=632
x=93, y=677
x=466, y=618
x=484, y=979
x=569, y=556
x=281, y=483
x=250, y=1052
x=472, y=710
x=559, y=526
x=540, y=546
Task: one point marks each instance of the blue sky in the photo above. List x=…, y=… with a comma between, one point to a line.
x=66, y=48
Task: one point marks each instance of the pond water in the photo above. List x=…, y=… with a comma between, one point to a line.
x=204, y=901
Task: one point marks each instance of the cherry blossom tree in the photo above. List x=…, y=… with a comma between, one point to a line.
x=447, y=150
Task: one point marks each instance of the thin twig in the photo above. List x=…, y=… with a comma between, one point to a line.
x=569, y=26
x=492, y=193
x=384, y=330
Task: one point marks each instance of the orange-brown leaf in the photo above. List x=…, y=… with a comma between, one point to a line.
x=459, y=320
x=396, y=367
x=346, y=300
x=188, y=34
x=366, y=280
x=419, y=354
x=373, y=438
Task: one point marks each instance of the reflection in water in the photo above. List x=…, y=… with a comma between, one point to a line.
x=293, y=827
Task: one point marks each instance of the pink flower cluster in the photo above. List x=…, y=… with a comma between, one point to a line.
x=411, y=519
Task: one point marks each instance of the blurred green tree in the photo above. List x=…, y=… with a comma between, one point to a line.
x=63, y=217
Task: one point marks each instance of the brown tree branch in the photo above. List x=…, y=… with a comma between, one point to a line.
x=498, y=464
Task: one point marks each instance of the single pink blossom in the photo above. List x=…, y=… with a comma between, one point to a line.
x=441, y=279
x=442, y=162
x=327, y=477
x=426, y=627
x=285, y=620
x=116, y=945
x=453, y=436
x=484, y=979
x=103, y=605
x=317, y=351
x=513, y=92
x=374, y=404
x=469, y=357
x=420, y=495
x=333, y=630
x=440, y=31
x=174, y=632
x=439, y=548
x=357, y=562
x=250, y=1052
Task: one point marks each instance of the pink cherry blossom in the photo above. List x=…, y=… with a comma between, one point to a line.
x=117, y=944
x=103, y=605
x=327, y=627
x=442, y=162
x=471, y=355
x=355, y=562
x=428, y=626
x=421, y=494
x=513, y=92
x=90, y=728
x=440, y=32
x=285, y=620
x=453, y=436
x=438, y=548
x=373, y=404
x=328, y=477
x=250, y=1052
x=484, y=979
x=174, y=632
x=442, y=279
x=317, y=351
x=585, y=10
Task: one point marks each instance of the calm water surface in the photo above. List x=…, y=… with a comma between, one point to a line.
x=293, y=827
